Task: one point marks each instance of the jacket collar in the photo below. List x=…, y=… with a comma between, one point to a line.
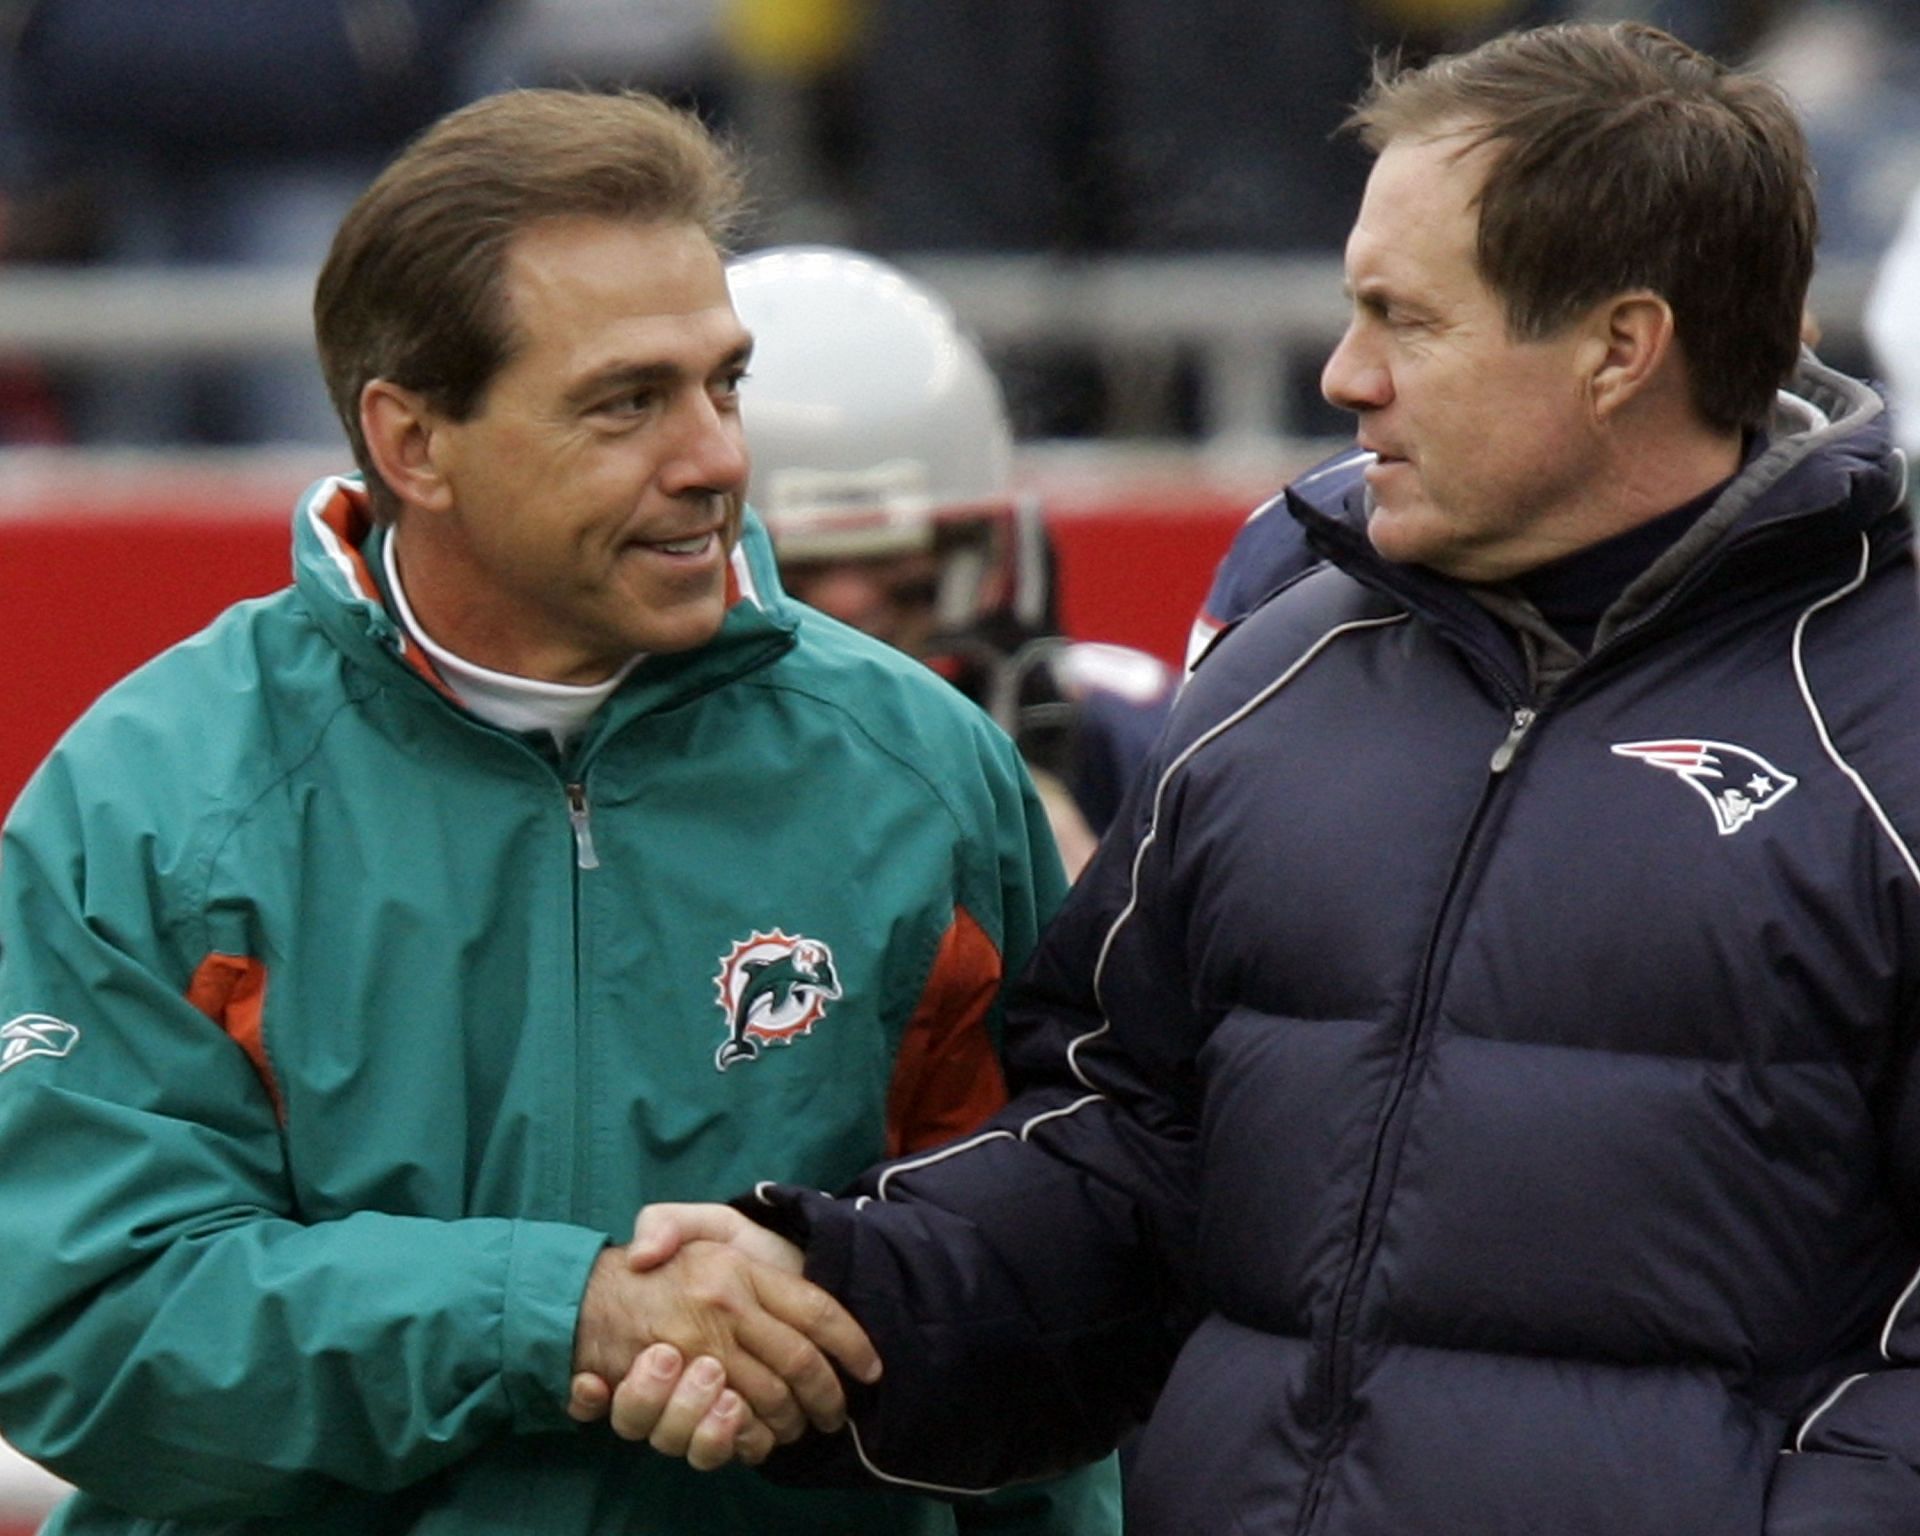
x=1829, y=474
x=334, y=549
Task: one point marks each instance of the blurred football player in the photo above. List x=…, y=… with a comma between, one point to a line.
x=882, y=461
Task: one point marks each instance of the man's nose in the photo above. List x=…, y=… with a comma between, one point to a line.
x=1354, y=378
x=710, y=452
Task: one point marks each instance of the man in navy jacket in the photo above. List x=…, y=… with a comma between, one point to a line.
x=1475, y=1088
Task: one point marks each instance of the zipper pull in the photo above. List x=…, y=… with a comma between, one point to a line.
x=1503, y=754
x=577, y=813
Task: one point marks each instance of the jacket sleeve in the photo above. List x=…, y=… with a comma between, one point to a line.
x=1086, y=1500
x=947, y=1076
x=1026, y=1286
x=1854, y=1470
x=174, y=1337
x=1851, y=1467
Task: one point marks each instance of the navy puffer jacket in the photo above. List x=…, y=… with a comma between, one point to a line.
x=1466, y=1097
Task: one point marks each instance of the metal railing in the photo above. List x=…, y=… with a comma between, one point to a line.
x=1247, y=323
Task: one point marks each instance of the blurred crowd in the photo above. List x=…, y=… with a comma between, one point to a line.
x=234, y=132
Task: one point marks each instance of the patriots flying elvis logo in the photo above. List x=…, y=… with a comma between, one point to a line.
x=34, y=1034
x=1736, y=784
x=773, y=989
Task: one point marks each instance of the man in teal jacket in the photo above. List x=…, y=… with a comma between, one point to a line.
x=367, y=960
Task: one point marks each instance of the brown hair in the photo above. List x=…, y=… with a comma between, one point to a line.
x=412, y=290
x=1623, y=160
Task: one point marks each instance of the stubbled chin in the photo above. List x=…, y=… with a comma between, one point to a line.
x=1389, y=533
x=689, y=624
x=676, y=641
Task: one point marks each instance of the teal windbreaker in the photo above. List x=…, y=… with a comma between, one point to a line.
x=339, y=1031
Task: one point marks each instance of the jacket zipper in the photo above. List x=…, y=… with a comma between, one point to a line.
x=581, y=816
x=576, y=1168
x=1517, y=728
x=1373, y=1201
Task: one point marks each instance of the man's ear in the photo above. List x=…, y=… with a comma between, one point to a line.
x=1631, y=344
x=399, y=426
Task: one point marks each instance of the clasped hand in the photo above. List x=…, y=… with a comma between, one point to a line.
x=701, y=1338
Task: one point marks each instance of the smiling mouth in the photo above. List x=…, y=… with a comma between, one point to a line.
x=694, y=544
x=687, y=546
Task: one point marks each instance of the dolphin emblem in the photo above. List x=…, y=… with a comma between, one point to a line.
x=775, y=989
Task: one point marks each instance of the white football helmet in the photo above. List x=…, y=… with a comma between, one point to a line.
x=876, y=428
x=880, y=443
x=868, y=412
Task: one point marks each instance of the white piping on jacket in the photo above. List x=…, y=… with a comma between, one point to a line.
x=860, y=1450
x=1886, y=1333
x=1159, y=794
x=880, y=1189
x=1094, y=1097
x=1852, y=776
x=1820, y=725
x=318, y=500
x=743, y=574
x=940, y=1156
x=1800, y=1440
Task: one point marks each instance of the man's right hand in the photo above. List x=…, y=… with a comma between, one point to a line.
x=772, y=1334
x=680, y=1410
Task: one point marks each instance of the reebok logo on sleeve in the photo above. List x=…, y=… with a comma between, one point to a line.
x=35, y=1034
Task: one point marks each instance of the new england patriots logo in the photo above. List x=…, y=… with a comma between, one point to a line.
x=34, y=1034
x=773, y=989
x=1736, y=784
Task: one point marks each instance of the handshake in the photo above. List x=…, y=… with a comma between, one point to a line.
x=701, y=1338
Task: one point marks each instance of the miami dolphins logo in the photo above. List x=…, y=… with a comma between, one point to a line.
x=773, y=989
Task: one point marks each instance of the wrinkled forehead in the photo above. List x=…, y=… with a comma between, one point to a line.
x=1421, y=200
x=605, y=293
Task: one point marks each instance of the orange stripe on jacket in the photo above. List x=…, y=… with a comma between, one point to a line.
x=232, y=990
x=347, y=514
x=947, y=1077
